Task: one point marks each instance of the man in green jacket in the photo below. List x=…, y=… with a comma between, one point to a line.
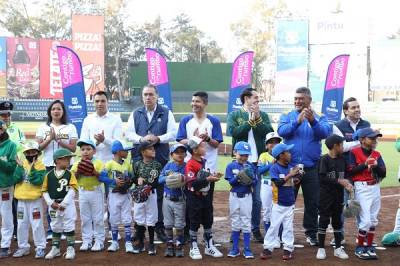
x=251, y=125
x=8, y=153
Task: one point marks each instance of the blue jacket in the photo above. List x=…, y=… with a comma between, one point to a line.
x=174, y=167
x=231, y=176
x=306, y=137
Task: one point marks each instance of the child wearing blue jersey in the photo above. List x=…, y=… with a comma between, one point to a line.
x=284, y=177
x=174, y=204
x=240, y=198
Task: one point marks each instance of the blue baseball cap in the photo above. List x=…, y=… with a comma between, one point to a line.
x=366, y=132
x=118, y=146
x=280, y=148
x=243, y=148
x=86, y=142
x=176, y=146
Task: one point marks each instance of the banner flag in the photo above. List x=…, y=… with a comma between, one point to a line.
x=3, y=67
x=157, y=72
x=334, y=88
x=73, y=86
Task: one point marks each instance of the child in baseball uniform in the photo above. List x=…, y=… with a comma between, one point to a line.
x=331, y=170
x=240, y=198
x=174, y=204
x=91, y=197
x=8, y=154
x=199, y=199
x=59, y=189
x=367, y=169
x=146, y=172
x=284, y=176
x=118, y=175
x=29, y=176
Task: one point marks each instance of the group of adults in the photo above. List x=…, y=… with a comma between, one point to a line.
x=155, y=123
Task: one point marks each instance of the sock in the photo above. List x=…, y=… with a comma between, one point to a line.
x=179, y=237
x=266, y=226
x=70, y=238
x=321, y=237
x=140, y=233
x=170, y=234
x=114, y=232
x=370, y=236
x=246, y=241
x=361, y=237
x=151, y=234
x=128, y=233
x=193, y=237
x=55, y=242
x=208, y=237
x=338, y=238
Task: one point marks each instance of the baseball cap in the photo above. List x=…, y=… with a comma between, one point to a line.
x=86, y=142
x=176, y=146
x=366, y=132
x=144, y=145
x=61, y=153
x=272, y=135
x=279, y=148
x=193, y=143
x=332, y=140
x=31, y=145
x=119, y=146
x=6, y=107
x=243, y=148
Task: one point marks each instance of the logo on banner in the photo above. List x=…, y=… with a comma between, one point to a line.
x=74, y=101
x=161, y=100
x=155, y=69
x=333, y=104
x=243, y=70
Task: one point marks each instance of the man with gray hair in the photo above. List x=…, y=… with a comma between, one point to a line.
x=304, y=128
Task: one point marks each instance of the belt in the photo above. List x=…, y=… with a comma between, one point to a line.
x=173, y=197
x=267, y=182
x=200, y=193
x=93, y=188
x=240, y=194
x=369, y=182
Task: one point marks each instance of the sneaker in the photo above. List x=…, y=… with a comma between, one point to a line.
x=161, y=236
x=266, y=254
x=371, y=252
x=179, y=251
x=63, y=237
x=85, y=246
x=70, y=254
x=211, y=250
x=4, y=252
x=332, y=243
x=97, y=247
x=128, y=247
x=21, y=252
x=287, y=255
x=257, y=237
x=340, y=253
x=195, y=252
x=152, y=250
x=49, y=236
x=54, y=252
x=169, y=251
x=138, y=247
x=40, y=253
x=361, y=253
x=312, y=241
x=233, y=253
x=248, y=254
x=113, y=247
x=321, y=254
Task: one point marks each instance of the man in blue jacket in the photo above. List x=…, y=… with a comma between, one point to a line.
x=304, y=128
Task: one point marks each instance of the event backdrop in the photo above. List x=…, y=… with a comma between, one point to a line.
x=3, y=66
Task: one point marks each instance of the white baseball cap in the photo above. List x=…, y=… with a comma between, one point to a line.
x=272, y=135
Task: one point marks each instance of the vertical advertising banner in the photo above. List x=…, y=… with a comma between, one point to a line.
x=50, y=76
x=23, y=68
x=292, y=58
x=3, y=66
x=334, y=88
x=157, y=72
x=73, y=87
x=88, y=42
x=241, y=79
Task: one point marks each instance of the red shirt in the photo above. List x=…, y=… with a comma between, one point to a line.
x=192, y=168
x=358, y=157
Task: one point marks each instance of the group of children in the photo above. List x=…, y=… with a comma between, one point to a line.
x=191, y=202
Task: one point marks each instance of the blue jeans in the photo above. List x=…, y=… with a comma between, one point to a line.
x=256, y=207
x=310, y=186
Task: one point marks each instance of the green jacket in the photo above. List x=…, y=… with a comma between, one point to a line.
x=8, y=152
x=238, y=126
x=16, y=135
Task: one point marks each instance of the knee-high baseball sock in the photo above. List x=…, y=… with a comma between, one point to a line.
x=397, y=222
x=114, y=232
x=170, y=234
x=321, y=237
x=128, y=233
x=361, y=237
x=179, y=237
x=70, y=238
x=193, y=237
x=338, y=238
x=208, y=237
x=151, y=234
x=55, y=242
x=370, y=236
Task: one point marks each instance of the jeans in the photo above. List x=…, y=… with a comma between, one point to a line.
x=310, y=186
x=256, y=207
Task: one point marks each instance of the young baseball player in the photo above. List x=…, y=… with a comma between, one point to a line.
x=29, y=176
x=8, y=153
x=146, y=172
x=284, y=176
x=199, y=199
x=174, y=204
x=59, y=187
x=332, y=167
x=91, y=206
x=240, y=198
x=118, y=174
x=367, y=169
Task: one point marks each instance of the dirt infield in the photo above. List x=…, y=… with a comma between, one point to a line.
x=303, y=256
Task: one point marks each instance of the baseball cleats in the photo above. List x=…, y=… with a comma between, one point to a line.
x=85, y=246
x=211, y=250
x=195, y=252
x=248, y=254
x=371, y=252
x=128, y=247
x=340, y=253
x=321, y=254
x=169, y=251
x=152, y=250
x=21, y=252
x=266, y=254
x=40, y=253
x=361, y=253
x=233, y=253
x=312, y=241
x=179, y=251
x=49, y=236
x=113, y=247
x=97, y=246
x=287, y=255
x=54, y=252
x=138, y=247
x=70, y=254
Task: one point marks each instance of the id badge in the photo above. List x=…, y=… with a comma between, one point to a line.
x=20, y=214
x=53, y=214
x=5, y=196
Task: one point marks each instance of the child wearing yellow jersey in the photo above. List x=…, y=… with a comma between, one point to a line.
x=91, y=199
x=29, y=176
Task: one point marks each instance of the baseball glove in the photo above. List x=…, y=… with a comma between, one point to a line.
x=141, y=193
x=175, y=180
x=352, y=207
x=245, y=176
x=86, y=168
